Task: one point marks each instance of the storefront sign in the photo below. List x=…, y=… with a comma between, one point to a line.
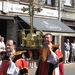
x=5, y=6
x=0, y=6
x=44, y=12
x=16, y=8
x=51, y=26
x=48, y=12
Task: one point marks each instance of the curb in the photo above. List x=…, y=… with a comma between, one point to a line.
x=69, y=63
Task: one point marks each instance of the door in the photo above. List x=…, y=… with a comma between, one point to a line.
x=3, y=25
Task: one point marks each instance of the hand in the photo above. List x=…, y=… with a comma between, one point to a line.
x=50, y=47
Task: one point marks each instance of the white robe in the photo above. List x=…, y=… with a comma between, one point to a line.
x=12, y=69
x=54, y=60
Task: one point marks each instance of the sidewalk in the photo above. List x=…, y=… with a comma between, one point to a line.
x=31, y=71
x=69, y=63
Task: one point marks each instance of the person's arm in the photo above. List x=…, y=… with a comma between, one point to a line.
x=2, y=46
x=13, y=69
x=52, y=58
x=0, y=63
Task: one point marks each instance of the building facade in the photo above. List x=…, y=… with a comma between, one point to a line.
x=53, y=9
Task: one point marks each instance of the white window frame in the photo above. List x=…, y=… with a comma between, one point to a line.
x=68, y=2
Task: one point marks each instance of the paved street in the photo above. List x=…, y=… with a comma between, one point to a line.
x=32, y=71
x=69, y=69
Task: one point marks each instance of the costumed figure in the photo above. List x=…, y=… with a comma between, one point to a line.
x=51, y=63
x=17, y=57
x=60, y=58
x=50, y=58
x=7, y=67
x=48, y=64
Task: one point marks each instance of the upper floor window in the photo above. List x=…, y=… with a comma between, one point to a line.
x=25, y=1
x=68, y=2
x=46, y=2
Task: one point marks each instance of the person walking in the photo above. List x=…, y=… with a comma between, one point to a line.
x=49, y=61
x=67, y=50
x=16, y=58
x=7, y=67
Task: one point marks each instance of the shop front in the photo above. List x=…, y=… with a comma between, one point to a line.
x=53, y=26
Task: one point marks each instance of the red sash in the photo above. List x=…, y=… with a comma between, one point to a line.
x=4, y=67
x=21, y=63
x=44, y=68
x=61, y=65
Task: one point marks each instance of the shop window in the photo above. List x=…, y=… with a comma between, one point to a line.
x=68, y=2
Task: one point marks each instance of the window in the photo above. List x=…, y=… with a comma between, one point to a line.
x=47, y=2
x=68, y=2
x=24, y=1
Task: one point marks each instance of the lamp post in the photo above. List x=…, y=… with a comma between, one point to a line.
x=32, y=40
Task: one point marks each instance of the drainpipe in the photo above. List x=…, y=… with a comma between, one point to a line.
x=59, y=10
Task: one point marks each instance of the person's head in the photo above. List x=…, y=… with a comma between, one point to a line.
x=67, y=40
x=48, y=38
x=10, y=45
x=2, y=39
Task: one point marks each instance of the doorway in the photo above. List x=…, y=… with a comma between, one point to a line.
x=3, y=27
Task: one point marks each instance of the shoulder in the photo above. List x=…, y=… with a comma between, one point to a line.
x=17, y=57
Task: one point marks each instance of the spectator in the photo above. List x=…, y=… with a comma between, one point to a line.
x=72, y=51
x=2, y=43
x=33, y=61
x=67, y=50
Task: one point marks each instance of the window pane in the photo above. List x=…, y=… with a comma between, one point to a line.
x=68, y=2
x=24, y=0
x=47, y=1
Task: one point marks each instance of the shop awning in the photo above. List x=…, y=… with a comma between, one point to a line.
x=47, y=24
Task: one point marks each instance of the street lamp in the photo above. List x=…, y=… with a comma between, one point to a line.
x=31, y=39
